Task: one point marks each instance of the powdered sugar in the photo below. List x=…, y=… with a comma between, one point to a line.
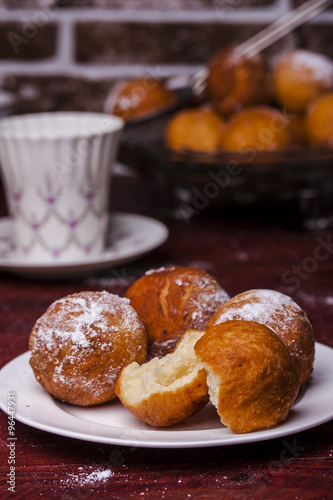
x=206, y=301
x=321, y=67
x=263, y=306
x=99, y=475
x=82, y=478
x=81, y=317
x=159, y=270
x=200, y=296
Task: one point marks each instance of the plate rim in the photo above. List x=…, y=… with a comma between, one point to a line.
x=148, y=442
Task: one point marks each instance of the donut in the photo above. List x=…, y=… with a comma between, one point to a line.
x=139, y=98
x=319, y=121
x=257, y=128
x=281, y=314
x=235, y=82
x=81, y=343
x=194, y=130
x=299, y=76
x=165, y=391
x=171, y=300
x=251, y=378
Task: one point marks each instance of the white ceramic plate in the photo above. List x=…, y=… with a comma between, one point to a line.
x=131, y=236
x=112, y=423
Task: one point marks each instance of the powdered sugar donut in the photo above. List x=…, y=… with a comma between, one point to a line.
x=81, y=343
x=139, y=98
x=281, y=314
x=171, y=300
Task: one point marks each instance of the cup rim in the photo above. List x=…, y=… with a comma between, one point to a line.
x=111, y=124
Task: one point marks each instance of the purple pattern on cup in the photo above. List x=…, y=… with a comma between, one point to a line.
x=52, y=212
x=51, y=200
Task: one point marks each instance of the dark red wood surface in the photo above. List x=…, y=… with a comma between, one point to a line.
x=242, y=254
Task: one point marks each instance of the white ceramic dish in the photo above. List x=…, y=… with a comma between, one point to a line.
x=130, y=236
x=113, y=424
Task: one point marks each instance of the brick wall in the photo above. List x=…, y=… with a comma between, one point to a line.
x=65, y=54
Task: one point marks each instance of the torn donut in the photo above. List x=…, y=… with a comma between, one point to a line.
x=165, y=391
x=251, y=377
x=282, y=315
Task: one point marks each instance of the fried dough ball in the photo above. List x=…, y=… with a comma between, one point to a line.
x=298, y=130
x=81, y=343
x=258, y=128
x=319, y=121
x=165, y=391
x=281, y=314
x=236, y=82
x=300, y=76
x=251, y=377
x=194, y=130
x=174, y=299
x=139, y=98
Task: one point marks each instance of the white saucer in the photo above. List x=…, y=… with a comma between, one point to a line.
x=131, y=236
x=111, y=423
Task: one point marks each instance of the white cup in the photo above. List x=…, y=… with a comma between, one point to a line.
x=56, y=170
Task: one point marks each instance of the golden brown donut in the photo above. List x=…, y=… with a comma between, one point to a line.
x=165, y=391
x=171, y=300
x=299, y=76
x=194, y=130
x=139, y=98
x=319, y=121
x=251, y=377
x=257, y=128
x=281, y=314
x=81, y=343
x=236, y=82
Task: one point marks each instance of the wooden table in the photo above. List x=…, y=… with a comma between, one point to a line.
x=241, y=254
